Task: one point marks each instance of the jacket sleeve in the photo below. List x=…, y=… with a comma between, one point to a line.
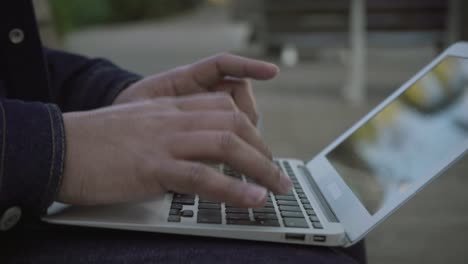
x=32, y=149
x=79, y=83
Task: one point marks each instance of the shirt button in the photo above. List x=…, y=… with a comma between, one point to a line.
x=16, y=36
x=10, y=218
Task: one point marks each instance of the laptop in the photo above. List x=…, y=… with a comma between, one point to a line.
x=343, y=192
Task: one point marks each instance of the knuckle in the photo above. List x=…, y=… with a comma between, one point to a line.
x=147, y=168
x=255, y=116
x=239, y=121
x=222, y=55
x=227, y=140
x=226, y=99
x=273, y=171
x=154, y=119
x=163, y=100
x=176, y=73
x=197, y=116
x=277, y=173
x=195, y=175
x=246, y=83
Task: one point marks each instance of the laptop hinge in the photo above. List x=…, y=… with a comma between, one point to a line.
x=319, y=196
x=323, y=203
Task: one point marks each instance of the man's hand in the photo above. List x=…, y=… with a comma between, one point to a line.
x=224, y=72
x=137, y=151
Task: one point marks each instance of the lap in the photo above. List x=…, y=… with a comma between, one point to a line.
x=61, y=244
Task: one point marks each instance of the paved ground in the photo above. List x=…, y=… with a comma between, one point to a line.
x=302, y=113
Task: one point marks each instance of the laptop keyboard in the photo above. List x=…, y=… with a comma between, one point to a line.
x=285, y=209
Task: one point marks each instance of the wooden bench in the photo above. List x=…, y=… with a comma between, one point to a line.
x=320, y=23
x=354, y=24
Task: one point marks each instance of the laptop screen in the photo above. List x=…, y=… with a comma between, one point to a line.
x=390, y=152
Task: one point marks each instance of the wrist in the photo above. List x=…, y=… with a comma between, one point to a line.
x=125, y=94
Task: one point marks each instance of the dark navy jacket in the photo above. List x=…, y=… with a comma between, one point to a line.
x=36, y=86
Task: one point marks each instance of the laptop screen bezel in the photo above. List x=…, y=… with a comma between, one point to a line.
x=352, y=214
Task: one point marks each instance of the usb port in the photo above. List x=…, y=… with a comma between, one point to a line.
x=320, y=238
x=296, y=237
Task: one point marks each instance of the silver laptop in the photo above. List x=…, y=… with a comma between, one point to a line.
x=342, y=193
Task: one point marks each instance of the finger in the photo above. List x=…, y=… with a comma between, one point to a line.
x=196, y=178
x=212, y=70
x=241, y=91
x=234, y=122
x=220, y=101
x=227, y=147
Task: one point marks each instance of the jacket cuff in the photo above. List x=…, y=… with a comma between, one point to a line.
x=104, y=82
x=32, y=145
x=97, y=86
x=101, y=85
x=125, y=80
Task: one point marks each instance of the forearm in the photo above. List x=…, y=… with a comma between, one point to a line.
x=79, y=83
x=32, y=149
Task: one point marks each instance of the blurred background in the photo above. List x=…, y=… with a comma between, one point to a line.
x=338, y=59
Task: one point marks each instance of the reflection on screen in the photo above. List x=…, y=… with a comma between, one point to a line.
x=398, y=145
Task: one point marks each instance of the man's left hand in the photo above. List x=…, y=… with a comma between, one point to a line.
x=220, y=73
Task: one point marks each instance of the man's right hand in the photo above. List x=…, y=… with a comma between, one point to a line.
x=141, y=150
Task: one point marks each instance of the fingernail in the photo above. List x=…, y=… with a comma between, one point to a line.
x=286, y=183
x=255, y=194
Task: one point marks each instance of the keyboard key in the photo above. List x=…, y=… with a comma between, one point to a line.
x=292, y=203
x=292, y=214
x=314, y=218
x=231, y=172
x=295, y=222
x=209, y=216
x=250, y=180
x=265, y=216
x=286, y=197
x=209, y=206
x=174, y=218
x=267, y=222
x=268, y=205
x=264, y=210
x=184, y=201
x=239, y=222
x=310, y=212
x=290, y=208
x=237, y=210
x=186, y=213
x=305, y=201
x=174, y=212
x=184, y=196
x=176, y=206
x=237, y=216
x=205, y=201
x=308, y=206
x=302, y=196
x=317, y=225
